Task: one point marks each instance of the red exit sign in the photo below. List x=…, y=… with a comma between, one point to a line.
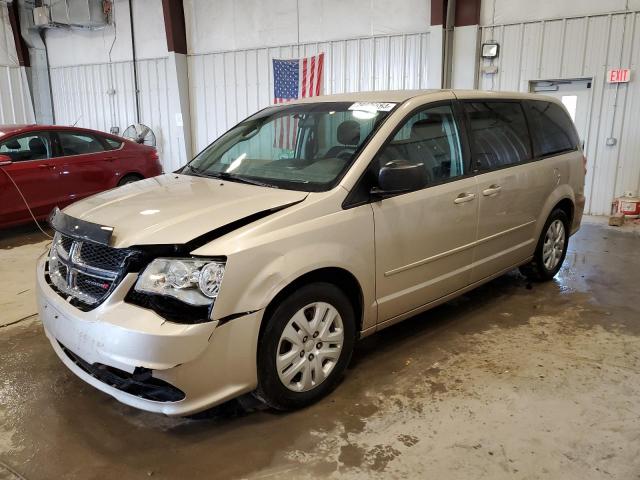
x=618, y=75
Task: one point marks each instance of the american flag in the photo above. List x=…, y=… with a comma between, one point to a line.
x=293, y=79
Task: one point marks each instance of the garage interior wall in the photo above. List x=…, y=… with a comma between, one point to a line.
x=93, y=83
x=15, y=100
x=573, y=48
x=369, y=45
x=226, y=87
x=376, y=45
x=231, y=45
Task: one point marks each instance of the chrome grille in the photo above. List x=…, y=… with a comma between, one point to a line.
x=85, y=272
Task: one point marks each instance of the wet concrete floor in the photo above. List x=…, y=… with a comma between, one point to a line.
x=512, y=380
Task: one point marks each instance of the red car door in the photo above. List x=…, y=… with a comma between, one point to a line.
x=35, y=174
x=84, y=164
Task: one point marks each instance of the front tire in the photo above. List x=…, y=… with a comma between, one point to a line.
x=551, y=249
x=305, y=347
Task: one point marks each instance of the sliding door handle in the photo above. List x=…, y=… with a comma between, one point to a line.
x=492, y=190
x=464, y=198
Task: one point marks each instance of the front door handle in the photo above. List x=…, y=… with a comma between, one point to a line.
x=464, y=198
x=44, y=165
x=491, y=191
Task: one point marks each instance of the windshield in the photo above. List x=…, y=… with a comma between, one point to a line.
x=300, y=147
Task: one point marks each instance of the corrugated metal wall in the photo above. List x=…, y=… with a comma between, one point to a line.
x=226, y=87
x=15, y=101
x=582, y=47
x=101, y=96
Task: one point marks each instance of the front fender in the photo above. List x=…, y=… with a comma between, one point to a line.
x=262, y=265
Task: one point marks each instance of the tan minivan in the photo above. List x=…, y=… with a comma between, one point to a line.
x=257, y=265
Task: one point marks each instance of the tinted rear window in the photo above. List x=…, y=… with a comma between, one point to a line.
x=112, y=144
x=499, y=134
x=551, y=127
x=79, y=143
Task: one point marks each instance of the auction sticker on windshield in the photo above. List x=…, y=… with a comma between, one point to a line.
x=372, y=106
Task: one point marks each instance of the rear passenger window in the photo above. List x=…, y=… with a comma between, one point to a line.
x=78, y=144
x=429, y=138
x=112, y=144
x=552, y=130
x=499, y=134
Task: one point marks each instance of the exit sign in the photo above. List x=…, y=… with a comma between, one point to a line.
x=618, y=75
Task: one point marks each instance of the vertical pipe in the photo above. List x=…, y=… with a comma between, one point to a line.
x=447, y=46
x=46, y=55
x=135, y=66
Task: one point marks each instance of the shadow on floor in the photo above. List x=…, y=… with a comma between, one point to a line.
x=27, y=234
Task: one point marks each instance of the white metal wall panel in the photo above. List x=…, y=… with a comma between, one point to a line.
x=101, y=96
x=81, y=95
x=15, y=100
x=226, y=87
x=582, y=47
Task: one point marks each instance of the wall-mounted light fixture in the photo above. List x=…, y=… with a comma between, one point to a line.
x=490, y=50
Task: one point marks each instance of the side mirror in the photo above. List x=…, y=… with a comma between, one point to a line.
x=5, y=160
x=399, y=176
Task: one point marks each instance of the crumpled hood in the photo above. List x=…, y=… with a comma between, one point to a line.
x=174, y=209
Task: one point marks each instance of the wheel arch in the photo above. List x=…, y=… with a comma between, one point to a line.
x=340, y=277
x=133, y=173
x=562, y=197
x=566, y=204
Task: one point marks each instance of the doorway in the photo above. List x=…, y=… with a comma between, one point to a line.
x=574, y=94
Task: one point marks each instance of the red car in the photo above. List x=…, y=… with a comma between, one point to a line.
x=55, y=166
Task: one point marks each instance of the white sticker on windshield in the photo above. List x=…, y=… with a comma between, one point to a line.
x=372, y=106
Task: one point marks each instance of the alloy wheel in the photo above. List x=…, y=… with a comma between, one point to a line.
x=554, y=243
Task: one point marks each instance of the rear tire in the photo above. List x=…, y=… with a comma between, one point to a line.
x=130, y=178
x=305, y=347
x=551, y=249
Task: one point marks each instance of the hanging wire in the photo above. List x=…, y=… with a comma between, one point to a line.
x=26, y=203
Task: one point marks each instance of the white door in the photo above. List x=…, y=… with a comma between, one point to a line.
x=574, y=94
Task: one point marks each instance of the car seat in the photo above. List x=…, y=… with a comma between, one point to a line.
x=348, y=134
x=37, y=149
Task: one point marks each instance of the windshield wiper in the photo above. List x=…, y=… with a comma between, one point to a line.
x=227, y=176
x=237, y=178
x=195, y=171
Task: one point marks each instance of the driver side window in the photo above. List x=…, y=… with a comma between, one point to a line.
x=428, y=139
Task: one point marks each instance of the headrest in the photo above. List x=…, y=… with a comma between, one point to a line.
x=36, y=145
x=428, y=127
x=349, y=132
x=13, y=145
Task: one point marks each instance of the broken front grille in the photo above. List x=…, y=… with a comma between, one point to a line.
x=85, y=273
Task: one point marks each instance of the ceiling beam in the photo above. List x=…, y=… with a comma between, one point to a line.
x=22, y=51
x=438, y=11
x=174, y=26
x=467, y=13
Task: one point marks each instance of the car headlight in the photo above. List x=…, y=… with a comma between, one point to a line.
x=192, y=280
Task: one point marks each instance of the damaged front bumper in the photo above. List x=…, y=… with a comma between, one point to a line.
x=145, y=361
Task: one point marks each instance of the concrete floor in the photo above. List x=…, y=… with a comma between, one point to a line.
x=510, y=381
